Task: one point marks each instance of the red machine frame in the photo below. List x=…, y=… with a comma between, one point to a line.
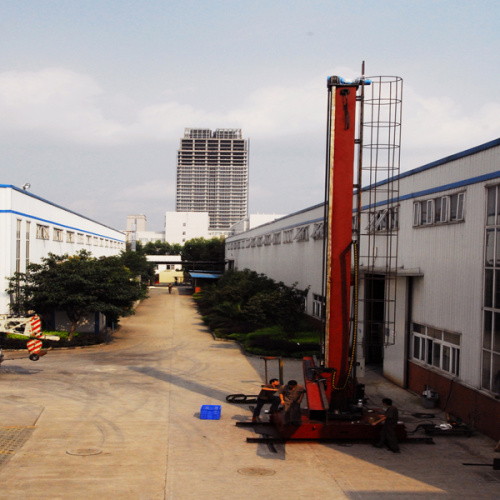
x=335, y=400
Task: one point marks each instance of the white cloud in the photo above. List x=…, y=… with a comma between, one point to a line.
x=56, y=102
x=72, y=107
x=440, y=123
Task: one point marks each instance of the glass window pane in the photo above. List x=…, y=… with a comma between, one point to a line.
x=423, y=212
x=416, y=347
x=437, y=209
x=453, y=206
x=497, y=289
x=495, y=189
x=460, y=206
x=417, y=328
x=444, y=208
x=488, y=320
x=490, y=213
x=488, y=288
x=429, y=352
x=490, y=244
x=436, y=354
x=416, y=214
x=454, y=361
x=496, y=373
x=485, y=376
x=497, y=254
x=430, y=211
x=496, y=334
x=446, y=358
x=432, y=332
x=451, y=338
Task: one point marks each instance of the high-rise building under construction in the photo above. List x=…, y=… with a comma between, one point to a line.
x=212, y=175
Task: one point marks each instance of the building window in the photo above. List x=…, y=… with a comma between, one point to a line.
x=58, y=234
x=70, y=237
x=490, y=377
x=288, y=236
x=319, y=304
x=79, y=238
x=18, y=246
x=318, y=231
x=436, y=211
x=42, y=232
x=89, y=239
x=302, y=233
x=28, y=239
x=437, y=348
x=383, y=220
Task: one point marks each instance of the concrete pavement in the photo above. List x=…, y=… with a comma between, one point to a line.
x=122, y=422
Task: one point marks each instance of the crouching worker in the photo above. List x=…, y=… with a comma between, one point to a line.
x=291, y=396
x=267, y=396
x=388, y=432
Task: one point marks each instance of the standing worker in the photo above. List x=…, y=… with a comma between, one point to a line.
x=170, y=288
x=291, y=396
x=266, y=396
x=388, y=432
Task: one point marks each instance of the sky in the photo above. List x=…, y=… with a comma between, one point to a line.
x=95, y=94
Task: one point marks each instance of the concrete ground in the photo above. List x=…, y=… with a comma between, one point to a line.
x=122, y=421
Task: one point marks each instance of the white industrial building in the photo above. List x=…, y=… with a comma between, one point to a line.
x=31, y=227
x=183, y=226
x=446, y=333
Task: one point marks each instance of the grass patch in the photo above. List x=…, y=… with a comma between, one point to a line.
x=12, y=341
x=274, y=341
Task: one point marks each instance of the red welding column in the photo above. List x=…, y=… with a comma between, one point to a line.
x=341, y=165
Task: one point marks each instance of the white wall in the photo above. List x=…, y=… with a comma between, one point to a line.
x=16, y=204
x=183, y=226
x=445, y=260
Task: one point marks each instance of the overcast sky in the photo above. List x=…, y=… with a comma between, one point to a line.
x=95, y=94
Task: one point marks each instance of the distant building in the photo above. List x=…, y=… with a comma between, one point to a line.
x=183, y=226
x=136, y=231
x=168, y=268
x=31, y=227
x=212, y=176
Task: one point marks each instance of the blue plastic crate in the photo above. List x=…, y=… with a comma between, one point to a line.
x=210, y=412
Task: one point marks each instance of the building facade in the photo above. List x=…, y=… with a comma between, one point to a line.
x=212, y=176
x=31, y=227
x=446, y=333
x=183, y=226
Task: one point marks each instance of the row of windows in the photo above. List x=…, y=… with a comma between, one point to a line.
x=436, y=348
x=43, y=233
x=299, y=234
x=490, y=372
x=444, y=209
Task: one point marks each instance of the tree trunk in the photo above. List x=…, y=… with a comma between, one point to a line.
x=72, y=330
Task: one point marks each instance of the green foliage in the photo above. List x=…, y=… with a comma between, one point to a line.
x=161, y=248
x=78, y=285
x=202, y=250
x=275, y=341
x=265, y=316
x=12, y=341
x=138, y=265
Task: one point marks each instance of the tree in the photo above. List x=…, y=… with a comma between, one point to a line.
x=202, y=250
x=137, y=263
x=162, y=248
x=78, y=285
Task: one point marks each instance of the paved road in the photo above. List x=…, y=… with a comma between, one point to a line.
x=122, y=422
